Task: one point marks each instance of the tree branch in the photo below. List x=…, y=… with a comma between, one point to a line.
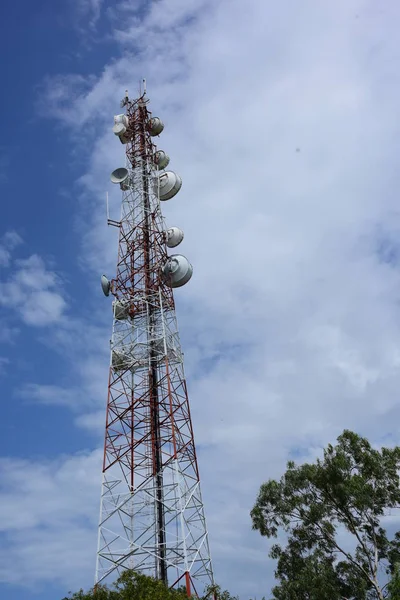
x=347, y=515
x=351, y=559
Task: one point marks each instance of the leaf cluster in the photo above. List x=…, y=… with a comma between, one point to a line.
x=131, y=585
x=350, y=489
x=394, y=585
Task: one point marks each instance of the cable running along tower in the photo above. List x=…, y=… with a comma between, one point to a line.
x=151, y=516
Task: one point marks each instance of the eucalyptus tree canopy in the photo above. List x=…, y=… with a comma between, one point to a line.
x=330, y=513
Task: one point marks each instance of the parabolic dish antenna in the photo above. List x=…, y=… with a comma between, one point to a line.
x=177, y=271
x=174, y=237
x=168, y=184
x=119, y=175
x=105, y=285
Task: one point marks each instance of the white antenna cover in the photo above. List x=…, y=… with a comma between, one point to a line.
x=177, y=271
x=174, y=237
x=121, y=310
x=132, y=357
x=120, y=126
x=161, y=159
x=119, y=129
x=119, y=175
x=105, y=285
x=155, y=126
x=170, y=184
x=121, y=119
x=121, y=361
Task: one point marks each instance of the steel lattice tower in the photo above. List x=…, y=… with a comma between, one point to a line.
x=151, y=516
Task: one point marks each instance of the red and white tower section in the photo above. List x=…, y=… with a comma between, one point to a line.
x=151, y=516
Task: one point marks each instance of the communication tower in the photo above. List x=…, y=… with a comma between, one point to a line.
x=151, y=516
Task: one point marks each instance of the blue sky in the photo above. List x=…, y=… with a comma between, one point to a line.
x=283, y=122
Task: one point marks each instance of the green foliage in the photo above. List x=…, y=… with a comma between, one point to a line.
x=351, y=489
x=214, y=592
x=394, y=584
x=135, y=586
x=304, y=577
x=132, y=586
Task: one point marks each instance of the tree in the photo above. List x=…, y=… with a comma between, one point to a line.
x=349, y=491
x=394, y=584
x=131, y=585
x=214, y=592
x=304, y=577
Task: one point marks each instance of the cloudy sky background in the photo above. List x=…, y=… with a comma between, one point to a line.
x=282, y=119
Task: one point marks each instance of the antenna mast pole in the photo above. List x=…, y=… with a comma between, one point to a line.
x=151, y=515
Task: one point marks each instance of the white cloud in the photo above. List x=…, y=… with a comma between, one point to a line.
x=94, y=422
x=55, y=102
x=34, y=292
x=283, y=131
x=49, y=513
x=12, y=239
x=88, y=12
x=82, y=346
x=83, y=400
x=8, y=242
x=4, y=257
x=52, y=395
